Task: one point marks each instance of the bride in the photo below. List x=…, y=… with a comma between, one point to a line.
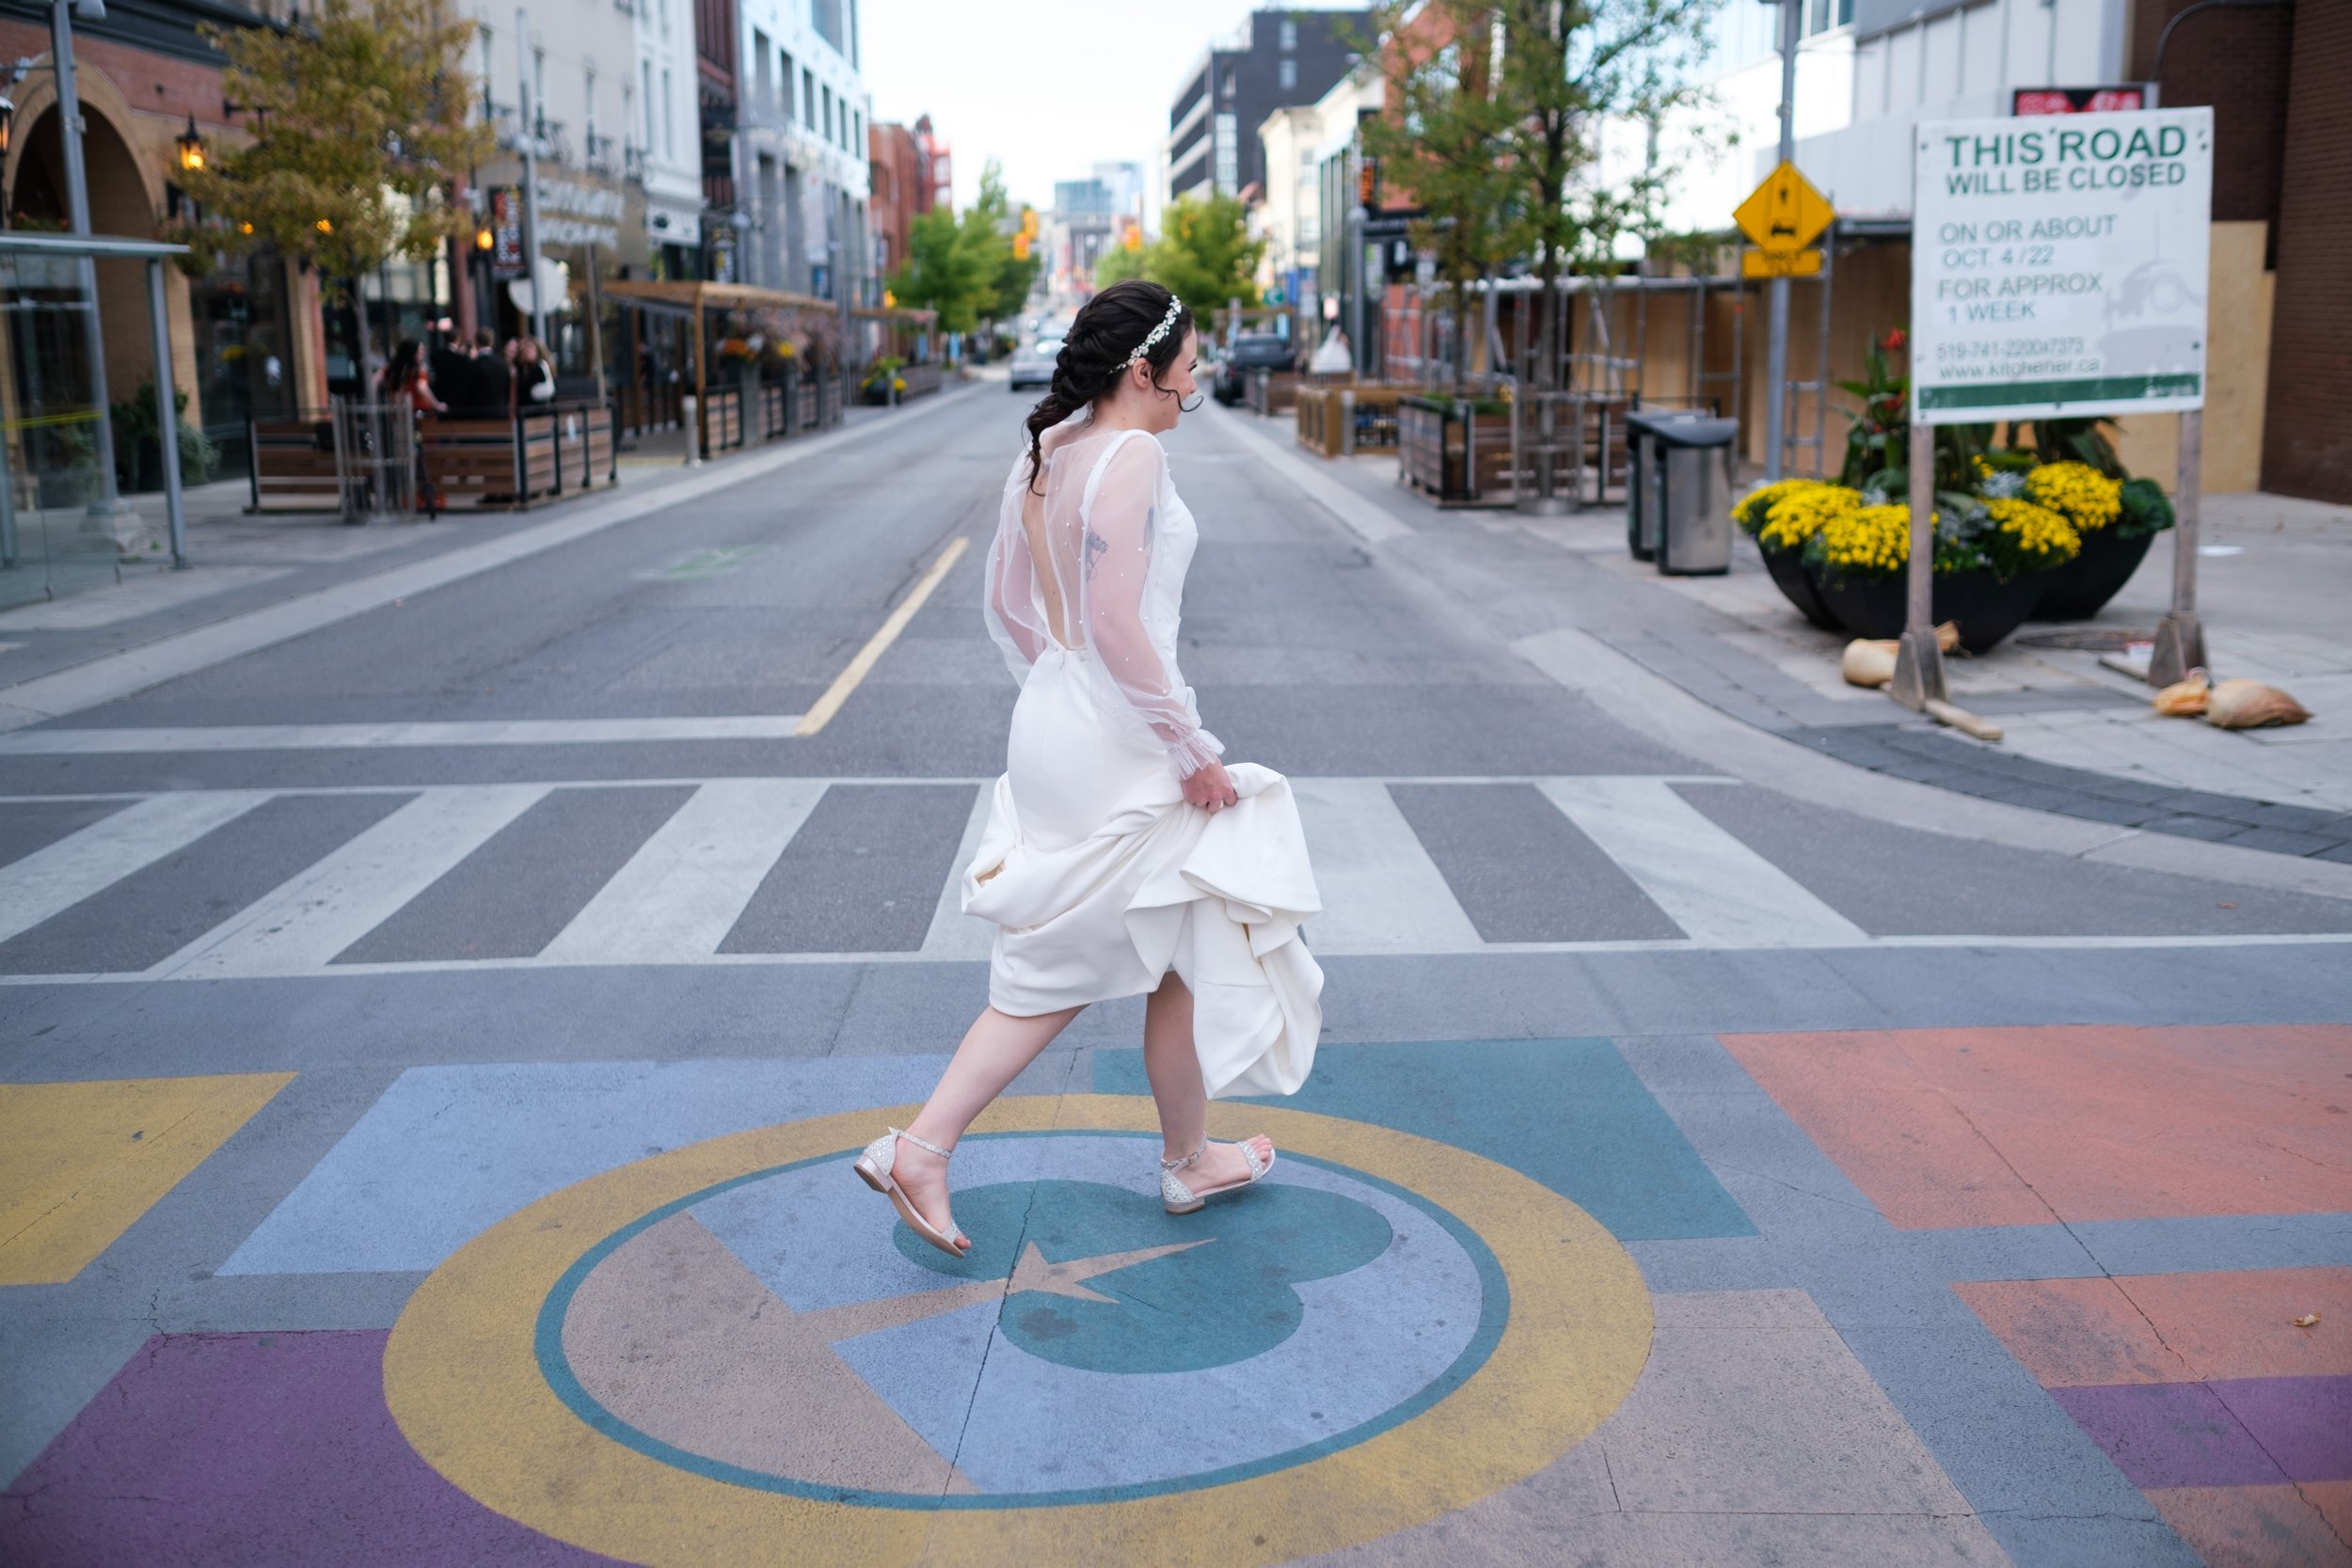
x=1122, y=857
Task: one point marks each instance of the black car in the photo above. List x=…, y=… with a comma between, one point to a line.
x=1252, y=351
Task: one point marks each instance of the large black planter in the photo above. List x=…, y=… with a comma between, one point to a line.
x=2081, y=588
x=1796, y=585
x=1985, y=608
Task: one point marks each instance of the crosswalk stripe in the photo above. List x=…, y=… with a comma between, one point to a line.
x=1721, y=893
x=955, y=934
x=471, y=732
x=339, y=899
x=677, y=897
x=1381, y=892
x=61, y=875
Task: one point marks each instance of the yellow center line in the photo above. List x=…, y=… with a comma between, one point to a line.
x=838, y=693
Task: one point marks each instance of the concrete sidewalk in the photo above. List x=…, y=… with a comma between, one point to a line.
x=2081, y=740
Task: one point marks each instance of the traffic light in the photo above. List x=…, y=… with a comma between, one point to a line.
x=1028, y=223
x=1133, y=237
x=1021, y=245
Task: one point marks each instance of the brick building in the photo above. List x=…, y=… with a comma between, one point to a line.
x=911, y=173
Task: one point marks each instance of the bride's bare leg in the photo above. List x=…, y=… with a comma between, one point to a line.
x=1172, y=1064
x=995, y=1050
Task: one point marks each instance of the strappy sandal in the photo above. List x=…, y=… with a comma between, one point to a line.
x=874, y=1166
x=1180, y=1200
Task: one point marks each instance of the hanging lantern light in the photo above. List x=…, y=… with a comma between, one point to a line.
x=191, y=147
x=8, y=120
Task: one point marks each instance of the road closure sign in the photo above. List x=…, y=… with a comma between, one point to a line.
x=2059, y=265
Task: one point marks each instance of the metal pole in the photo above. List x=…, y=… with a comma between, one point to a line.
x=2180, y=637
x=1356, y=295
x=159, y=321
x=530, y=139
x=1776, y=362
x=1920, y=662
x=108, y=504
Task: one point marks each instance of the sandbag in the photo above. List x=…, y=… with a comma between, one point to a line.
x=2244, y=704
x=2185, y=699
x=1868, y=661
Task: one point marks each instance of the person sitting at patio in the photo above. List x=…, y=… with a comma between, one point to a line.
x=490, y=385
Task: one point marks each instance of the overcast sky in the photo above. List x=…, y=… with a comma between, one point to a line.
x=1047, y=86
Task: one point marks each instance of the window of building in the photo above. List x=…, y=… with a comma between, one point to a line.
x=489, y=109
x=647, y=74
x=1231, y=82
x=588, y=111
x=808, y=99
x=1290, y=32
x=831, y=134
x=1287, y=74
x=763, y=82
x=1229, y=153
x=791, y=111
x=669, y=117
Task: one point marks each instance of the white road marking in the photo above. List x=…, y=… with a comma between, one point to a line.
x=954, y=934
x=336, y=738
x=1381, y=892
x=686, y=887
x=299, y=927
x=61, y=875
x=1722, y=893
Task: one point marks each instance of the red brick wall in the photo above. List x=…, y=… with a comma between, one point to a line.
x=2306, y=438
x=2237, y=60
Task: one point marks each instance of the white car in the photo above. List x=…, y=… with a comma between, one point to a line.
x=1032, y=364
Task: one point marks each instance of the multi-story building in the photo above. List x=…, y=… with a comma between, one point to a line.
x=1278, y=58
x=663, y=145
x=1290, y=218
x=912, y=174
x=801, y=155
x=1086, y=224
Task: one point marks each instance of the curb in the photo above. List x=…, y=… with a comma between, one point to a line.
x=112, y=677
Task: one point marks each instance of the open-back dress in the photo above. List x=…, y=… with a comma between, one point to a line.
x=1099, y=876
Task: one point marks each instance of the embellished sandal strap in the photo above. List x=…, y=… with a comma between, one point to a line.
x=1173, y=1165
x=924, y=1144
x=1249, y=1157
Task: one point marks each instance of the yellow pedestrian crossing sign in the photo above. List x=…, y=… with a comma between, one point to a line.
x=1784, y=214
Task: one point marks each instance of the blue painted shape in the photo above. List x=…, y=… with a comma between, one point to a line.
x=448, y=1151
x=1567, y=1113
x=1228, y=1296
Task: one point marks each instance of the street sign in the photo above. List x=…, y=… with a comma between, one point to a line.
x=1785, y=213
x=2059, y=265
x=1780, y=263
x=2078, y=101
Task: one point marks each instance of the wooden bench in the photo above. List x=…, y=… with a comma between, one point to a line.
x=290, y=463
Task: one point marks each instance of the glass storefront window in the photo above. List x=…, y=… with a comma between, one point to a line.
x=47, y=441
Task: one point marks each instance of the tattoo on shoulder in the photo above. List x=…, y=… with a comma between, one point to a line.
x=1096, y=547
x=1150, y=525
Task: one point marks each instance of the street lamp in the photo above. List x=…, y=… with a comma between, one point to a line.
x=190, y=148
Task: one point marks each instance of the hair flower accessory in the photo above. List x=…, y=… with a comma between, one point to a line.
x=1175, y=308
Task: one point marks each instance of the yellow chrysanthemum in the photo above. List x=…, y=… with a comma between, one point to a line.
x=1807, y=507
x=1749, y=510
x=2076, y=492
x=1868, y=539
x=2038, y=536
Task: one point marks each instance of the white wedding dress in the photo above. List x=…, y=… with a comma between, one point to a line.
x=1098, y=874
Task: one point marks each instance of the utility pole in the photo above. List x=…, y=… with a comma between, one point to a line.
x=1777, y=359
x=530, y=139
x=106, y=507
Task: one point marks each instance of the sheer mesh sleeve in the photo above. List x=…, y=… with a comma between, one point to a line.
x=1016, y=619
x=1118, y=516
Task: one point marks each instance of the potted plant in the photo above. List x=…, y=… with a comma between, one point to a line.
x=1782, y=518
x=1992, y=558
x=138, y=442
x=881, y=378
x=2116, y=520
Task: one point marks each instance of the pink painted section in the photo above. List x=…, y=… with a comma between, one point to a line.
x=2171, y=1327
x=2254, y=1526
x=2024, y=1126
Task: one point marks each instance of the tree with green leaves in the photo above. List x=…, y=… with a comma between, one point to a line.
x=1204, y=254
x=947, y=270
x=1440, y=141
x=361, y=108
x=1567, y=68
x=993, y=223
x=1116, y=264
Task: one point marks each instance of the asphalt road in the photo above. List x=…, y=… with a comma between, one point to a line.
x=1501, y=860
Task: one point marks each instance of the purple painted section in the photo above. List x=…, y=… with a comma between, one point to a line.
x=2169, y=1435
x=248, y=1450
x=2305, y=1423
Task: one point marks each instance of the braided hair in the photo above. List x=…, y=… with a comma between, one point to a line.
x=1095, y=351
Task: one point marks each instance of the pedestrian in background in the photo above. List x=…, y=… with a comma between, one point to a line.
x=534, y=373
x=408, y=390
x=491, y=389
x=453, y=371
x=1121, y=857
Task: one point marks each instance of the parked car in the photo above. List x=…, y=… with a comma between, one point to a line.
x=1033, y=363
x=1252, y=351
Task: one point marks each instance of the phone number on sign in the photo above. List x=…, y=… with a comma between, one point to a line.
x=1987, y=348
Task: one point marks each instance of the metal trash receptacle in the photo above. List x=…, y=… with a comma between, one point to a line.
x=1643, y=519
x=1692, y=473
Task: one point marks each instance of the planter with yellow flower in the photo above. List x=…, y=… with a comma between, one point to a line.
x=1992, y=558
x=2118, y=519
x=1782, y=517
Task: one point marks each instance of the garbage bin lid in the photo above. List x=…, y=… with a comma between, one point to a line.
x=1652, y=421
x=1696, y=433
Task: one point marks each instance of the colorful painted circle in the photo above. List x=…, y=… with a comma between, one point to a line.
x=718, y=1334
